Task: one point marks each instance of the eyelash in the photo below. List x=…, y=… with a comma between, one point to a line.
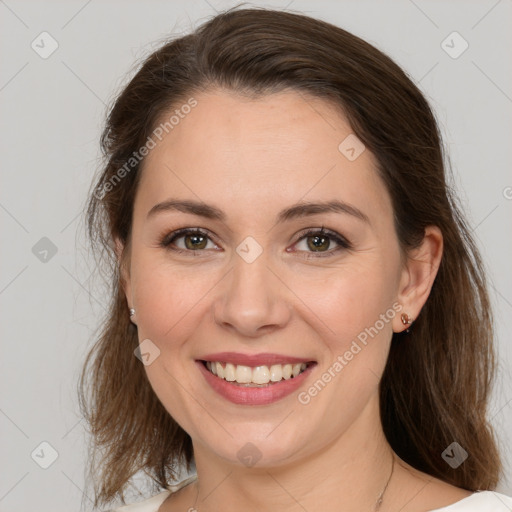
x=343, y=243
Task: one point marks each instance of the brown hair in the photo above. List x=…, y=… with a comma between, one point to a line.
x=436, y=384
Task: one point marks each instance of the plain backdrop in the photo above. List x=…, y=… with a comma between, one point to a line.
x=52, y=110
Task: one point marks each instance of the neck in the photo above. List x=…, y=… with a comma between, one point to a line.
x=348, y=473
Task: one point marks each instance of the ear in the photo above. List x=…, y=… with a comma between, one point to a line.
x=418, y=275
x=124, y=273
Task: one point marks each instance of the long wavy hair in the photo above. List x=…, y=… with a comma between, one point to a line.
x=436, y=385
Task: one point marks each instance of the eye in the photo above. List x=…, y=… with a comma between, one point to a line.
x=190, y=240
x=319, y=241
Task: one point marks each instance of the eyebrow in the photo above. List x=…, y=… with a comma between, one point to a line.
x=295, y=211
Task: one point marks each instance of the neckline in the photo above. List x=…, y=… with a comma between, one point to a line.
x=171, y=489
x=183, y=483
x=451, y=506
x=448, y=508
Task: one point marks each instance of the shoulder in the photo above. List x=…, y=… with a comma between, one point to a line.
x=150, y=505
x=483, y=501
x=424, y=493
x=153, y=504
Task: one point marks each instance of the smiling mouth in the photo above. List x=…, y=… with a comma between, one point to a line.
x=258, y=376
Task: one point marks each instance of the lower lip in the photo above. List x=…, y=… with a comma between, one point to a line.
x=254, y=395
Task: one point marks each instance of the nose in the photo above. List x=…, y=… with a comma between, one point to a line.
x=252, y=300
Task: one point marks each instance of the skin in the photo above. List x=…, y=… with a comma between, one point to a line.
x=251, y=158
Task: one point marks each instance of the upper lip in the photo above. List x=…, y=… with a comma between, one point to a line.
x=267, y=359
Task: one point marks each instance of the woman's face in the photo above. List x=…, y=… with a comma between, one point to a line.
x=255, y=284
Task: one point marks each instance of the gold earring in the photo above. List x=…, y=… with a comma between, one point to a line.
x=406, y=320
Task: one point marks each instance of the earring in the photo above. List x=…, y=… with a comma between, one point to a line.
x=132, y=311
x=406, y=320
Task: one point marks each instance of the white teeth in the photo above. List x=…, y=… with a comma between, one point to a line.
x=219, y=370
x=261, y=375
x=296, y=369
x=243, y=374
x=229, y=372
x=276, y=372
x=258, y=375
x=287, y=371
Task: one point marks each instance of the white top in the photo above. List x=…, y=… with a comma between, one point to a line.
x=480, y=501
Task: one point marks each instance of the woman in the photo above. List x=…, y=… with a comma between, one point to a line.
x=299, y=313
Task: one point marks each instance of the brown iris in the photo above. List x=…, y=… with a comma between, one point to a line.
x=318, y=242
x=197, y=241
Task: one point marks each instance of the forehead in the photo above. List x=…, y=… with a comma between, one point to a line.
x=279, y=148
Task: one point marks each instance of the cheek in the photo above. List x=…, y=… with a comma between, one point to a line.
x=348, y=301
x=169, y=300
x=357, y=308
x=171, y=303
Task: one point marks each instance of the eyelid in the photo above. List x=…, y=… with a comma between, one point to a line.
x=167, y=239
x=342, y=241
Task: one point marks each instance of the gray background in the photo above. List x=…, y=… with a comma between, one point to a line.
x=52, y=111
